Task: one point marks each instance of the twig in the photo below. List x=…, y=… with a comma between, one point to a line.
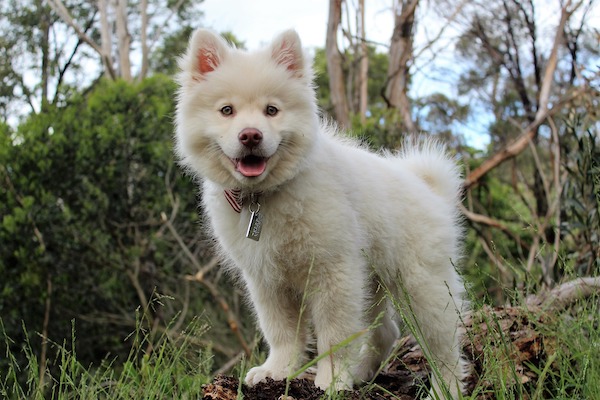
x=198, y=276
x=44, y=351
x=448, y=22
x=186, y=304
x=485, y=220
x=495, y=260
x=232, y=320
x=64, y=14
x=231, y=363
x=482, y=219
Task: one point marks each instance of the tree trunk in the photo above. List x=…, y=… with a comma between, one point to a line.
x=123, y=39
x=401, y=54
x=45, y=48
x=144, y=38
x=334, y=66
x=363, y=70
x=105, y=38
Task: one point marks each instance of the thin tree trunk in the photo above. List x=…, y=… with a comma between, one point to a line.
x=363, y=71
x=123, y=39
x=144, y=38
x=105, y=39
x=401, y=54
x=334, y=65
x=45, y=47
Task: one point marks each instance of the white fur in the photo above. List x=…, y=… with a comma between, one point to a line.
x=340, y=223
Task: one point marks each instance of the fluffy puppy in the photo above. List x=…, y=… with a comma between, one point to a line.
x=330, y=239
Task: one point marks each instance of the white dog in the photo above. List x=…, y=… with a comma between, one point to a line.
x=332, y=241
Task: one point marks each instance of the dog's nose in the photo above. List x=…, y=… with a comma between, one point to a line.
x=250, y=137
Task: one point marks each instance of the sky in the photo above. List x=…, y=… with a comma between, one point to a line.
x=256, y=22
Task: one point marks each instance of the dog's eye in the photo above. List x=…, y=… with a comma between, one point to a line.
x=271, y=111
x=227, y=110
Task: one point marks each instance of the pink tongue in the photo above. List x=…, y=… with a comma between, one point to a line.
x=251, y=166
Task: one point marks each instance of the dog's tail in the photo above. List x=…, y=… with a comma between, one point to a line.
x=430, y=160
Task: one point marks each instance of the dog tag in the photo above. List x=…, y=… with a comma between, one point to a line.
x=256, y=221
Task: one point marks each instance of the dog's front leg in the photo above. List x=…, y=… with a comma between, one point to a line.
x=337, y=307
x=278, y=313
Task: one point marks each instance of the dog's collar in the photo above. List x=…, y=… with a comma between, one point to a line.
x=235, y=198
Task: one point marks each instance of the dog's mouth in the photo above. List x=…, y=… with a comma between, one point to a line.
x=250, y=166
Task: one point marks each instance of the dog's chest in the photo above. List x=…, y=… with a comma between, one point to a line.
x=287, y=245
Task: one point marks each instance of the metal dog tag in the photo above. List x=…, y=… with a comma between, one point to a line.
x=256, y=221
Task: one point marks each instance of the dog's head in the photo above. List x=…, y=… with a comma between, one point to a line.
x=245, y=120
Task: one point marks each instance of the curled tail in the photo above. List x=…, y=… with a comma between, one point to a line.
x=429, y=160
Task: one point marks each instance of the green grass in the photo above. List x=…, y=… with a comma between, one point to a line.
x=168, y=368
x=568, y=366
x=175, y=368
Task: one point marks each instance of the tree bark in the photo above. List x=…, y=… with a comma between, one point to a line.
x=106, y=39
x=334, y=66
x=144, y=38
x=123, y=38
x=363, y=71
x=45, y=47
x=401, y=54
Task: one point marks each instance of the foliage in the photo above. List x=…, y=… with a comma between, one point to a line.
x=581, y=196
x=83, y=191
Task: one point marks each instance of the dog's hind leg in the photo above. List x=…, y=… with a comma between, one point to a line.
x=383, y=336
x=431, y=305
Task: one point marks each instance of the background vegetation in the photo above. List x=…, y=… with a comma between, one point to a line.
x=100, y=233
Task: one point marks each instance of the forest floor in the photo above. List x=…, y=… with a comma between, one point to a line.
x=513, y=330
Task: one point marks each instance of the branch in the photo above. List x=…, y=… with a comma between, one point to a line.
x=457, y=10
x=565, y=294
x=59, y=8
x=63, y=70
x=485, y=220
x=482, y=219
x=517, y=146
x=158, y=31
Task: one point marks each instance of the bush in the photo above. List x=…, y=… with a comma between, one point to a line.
x=83, y=188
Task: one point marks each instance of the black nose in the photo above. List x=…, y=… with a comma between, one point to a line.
x=250, y=137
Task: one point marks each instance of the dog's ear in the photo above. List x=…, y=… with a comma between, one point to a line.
x=286, y=50
x=207, y=51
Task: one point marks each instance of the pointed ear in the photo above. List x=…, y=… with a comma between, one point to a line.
x=206, y=51
x=286, y=50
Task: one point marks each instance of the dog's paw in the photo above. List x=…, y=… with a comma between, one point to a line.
x=262, y=372
x=326, y=382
